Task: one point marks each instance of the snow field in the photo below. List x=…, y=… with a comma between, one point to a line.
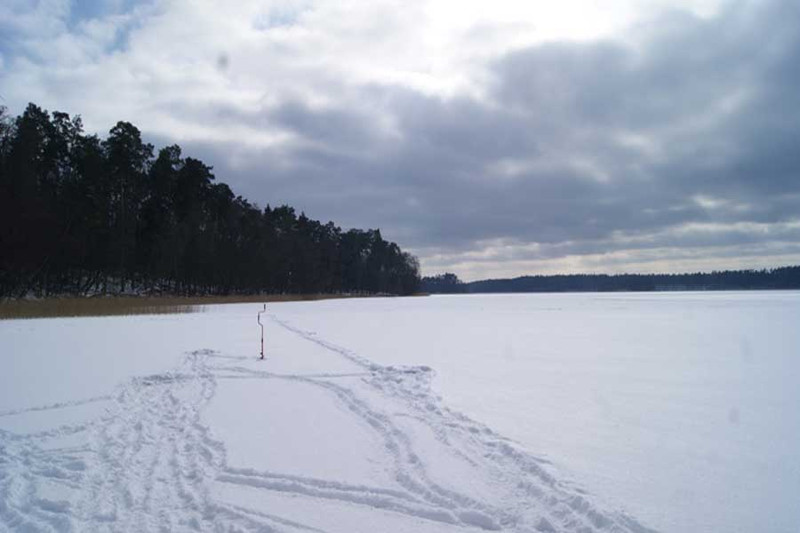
x=315, y=438
x=679, y=408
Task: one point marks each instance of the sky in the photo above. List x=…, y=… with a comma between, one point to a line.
x=491, y=139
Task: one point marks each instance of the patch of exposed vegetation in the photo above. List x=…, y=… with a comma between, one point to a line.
x=130, y=305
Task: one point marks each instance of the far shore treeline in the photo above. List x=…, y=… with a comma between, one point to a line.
x=83, y=215
x=730, y=280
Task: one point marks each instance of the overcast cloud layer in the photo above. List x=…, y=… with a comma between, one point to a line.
x=528, y=139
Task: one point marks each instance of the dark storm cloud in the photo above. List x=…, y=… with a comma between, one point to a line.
x=688, y=138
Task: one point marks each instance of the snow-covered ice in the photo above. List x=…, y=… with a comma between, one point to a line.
x=580, y=412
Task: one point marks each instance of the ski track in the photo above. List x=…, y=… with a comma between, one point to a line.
x=150, y=464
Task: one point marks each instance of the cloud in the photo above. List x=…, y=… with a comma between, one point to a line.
x=658, y=140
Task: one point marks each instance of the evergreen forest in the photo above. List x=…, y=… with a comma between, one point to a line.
x=728, y=280
x=81, y=215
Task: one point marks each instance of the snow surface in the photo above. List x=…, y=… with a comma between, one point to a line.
x=678, y=409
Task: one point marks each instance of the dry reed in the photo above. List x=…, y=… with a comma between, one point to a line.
x=130, y=305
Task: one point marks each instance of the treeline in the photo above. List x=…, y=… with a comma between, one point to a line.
x=776, y=278
x=447, y=283
x=84, y=215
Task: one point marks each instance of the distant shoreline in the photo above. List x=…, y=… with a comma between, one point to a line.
x=780, y=278
x=619, y=291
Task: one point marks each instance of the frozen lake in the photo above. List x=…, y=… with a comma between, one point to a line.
x=679, y=408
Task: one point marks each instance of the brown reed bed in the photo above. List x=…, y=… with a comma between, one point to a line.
x=137, y=305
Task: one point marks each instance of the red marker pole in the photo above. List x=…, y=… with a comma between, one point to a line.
x=262, y=330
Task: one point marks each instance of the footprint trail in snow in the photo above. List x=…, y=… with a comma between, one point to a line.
x=341, y=444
